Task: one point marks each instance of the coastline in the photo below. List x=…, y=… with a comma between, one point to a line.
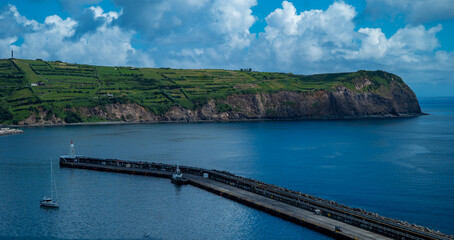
x=388, y=116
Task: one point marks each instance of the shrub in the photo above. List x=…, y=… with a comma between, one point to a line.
x=72, y=117
x=223, y=107
x=159, y=109
x=5, y=112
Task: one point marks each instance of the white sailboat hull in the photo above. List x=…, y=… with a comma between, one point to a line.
x=49, y=204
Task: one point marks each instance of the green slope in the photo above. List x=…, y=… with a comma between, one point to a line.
x=64, y=86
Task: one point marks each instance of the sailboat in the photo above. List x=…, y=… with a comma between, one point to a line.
x=50, y=201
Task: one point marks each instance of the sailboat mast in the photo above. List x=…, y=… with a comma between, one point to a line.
x=51, y=179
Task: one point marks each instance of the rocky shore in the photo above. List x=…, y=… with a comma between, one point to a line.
x=9, y=131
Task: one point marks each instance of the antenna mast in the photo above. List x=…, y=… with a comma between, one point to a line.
x=12, y=54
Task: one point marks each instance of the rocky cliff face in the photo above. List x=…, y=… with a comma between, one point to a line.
x=364, y=98
x=339, y=104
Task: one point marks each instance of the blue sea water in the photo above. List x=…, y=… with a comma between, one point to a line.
x=399, y=168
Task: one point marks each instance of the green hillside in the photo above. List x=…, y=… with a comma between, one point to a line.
x=27, y=86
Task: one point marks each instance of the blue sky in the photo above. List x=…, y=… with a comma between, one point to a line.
x=413, y=39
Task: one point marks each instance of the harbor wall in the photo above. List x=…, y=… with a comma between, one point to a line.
x=327, y=208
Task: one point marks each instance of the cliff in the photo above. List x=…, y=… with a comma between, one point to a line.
x=59, y=93
x=396, y=100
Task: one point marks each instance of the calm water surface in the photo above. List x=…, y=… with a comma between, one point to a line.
x=400, y=168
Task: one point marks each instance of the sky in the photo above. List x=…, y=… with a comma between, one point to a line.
x=411, y=38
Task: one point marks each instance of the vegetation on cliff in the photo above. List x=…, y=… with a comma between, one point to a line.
x=51, y=91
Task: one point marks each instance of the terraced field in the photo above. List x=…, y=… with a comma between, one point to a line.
x=27, y=86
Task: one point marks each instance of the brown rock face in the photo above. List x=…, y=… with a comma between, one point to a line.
x=131, y=112
x=363, y=98
x=339, y=104
x=41, y=118
x=394, y=100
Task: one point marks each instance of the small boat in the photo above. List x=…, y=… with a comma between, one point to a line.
x=178, y=178
x=49, y=201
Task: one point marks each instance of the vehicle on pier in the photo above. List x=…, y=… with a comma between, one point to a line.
x=178, y=178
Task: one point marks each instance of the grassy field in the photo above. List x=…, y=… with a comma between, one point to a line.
x=26, y=85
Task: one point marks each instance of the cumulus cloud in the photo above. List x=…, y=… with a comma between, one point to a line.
x=190, y=24
x=416, y=38
x=54, y=39
x=91, y=19
x=159, y=19
x=13, y=24
x=193, y=34
x=406, y=45
x=310, y=35
x=326, y=40
x=216, y=34
x=232, y=19
x=99, y=13
x=374, y=44
x=421, y=11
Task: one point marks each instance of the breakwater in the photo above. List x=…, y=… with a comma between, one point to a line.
x=318, y=214
x=9, y=131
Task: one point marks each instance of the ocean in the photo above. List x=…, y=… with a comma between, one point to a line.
x=398, y=168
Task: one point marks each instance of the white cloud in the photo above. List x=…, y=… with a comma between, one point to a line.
x=309, y=36
x=421, y=11
x=416, y=38
x=326, y=40
x=107, y=17
x=194, y=34
x=52, y=39
x=407, y=44
x=216, y=34
x=59, y=28
x=110, y=46
x=21, y=19
x=232, y=19
x=159, y=19
x=13, y=24
x=373, y=44
x=6, y=45
x=176, y=24
x=284, y=21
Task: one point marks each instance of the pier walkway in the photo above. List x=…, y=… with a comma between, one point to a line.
x=285, y=211
x=321, y=215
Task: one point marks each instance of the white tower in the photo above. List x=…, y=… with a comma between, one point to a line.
x=71, y=148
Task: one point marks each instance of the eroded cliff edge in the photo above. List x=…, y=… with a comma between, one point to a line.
x=367, y=95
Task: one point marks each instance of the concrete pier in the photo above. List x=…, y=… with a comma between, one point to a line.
x=317, y=214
